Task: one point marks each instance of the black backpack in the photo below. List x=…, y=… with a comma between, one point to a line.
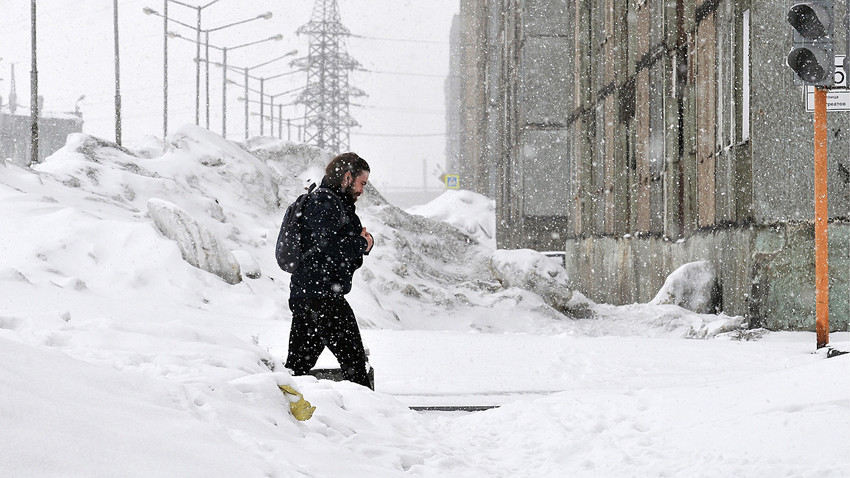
x=288, y=250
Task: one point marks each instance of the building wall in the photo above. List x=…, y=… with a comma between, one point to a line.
x=648, y=122
x=472, y=91
x=766, y=273
x=453, y=103
x=52, y=133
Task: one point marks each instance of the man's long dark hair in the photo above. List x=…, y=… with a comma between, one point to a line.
x=345, y=163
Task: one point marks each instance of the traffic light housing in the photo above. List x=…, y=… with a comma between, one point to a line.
x=812, y=55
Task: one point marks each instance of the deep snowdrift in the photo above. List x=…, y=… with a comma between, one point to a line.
x=127, y=351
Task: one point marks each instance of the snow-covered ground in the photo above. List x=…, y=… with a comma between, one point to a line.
x=143, y=321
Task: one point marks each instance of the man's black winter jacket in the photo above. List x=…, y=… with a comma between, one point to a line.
x=333, y=244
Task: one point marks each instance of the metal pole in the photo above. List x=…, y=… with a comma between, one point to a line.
x=117, y=78
x=288, y=129
x=198, y=71
x=224, y=93
x=33, y=94
x=280, y=121
x=271, y=116
x=246, y=104
x=262, y=103
x=821, y=216
x=165, y=71
x=207, y=72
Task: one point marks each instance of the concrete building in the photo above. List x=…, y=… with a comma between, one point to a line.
x=16, y=129
x=53, y=130
x=641, y=135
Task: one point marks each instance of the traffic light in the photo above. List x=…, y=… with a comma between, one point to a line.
x=812, y=56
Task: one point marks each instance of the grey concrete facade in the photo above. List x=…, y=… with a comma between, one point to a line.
x=53, y=131
x=628, y=130
x=766, y=273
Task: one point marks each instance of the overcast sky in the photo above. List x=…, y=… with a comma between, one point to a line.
x=405, y=50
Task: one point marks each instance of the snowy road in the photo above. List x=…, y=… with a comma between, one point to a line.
x=618, y=406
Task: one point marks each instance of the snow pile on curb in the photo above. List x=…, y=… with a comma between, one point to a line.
x=692, y=286
x=531, y=270
x=471, y=213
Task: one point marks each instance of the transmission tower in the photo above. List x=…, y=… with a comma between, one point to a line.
x=326, y=98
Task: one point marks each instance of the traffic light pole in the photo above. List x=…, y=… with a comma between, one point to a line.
x=812, y=58
x=821, y=215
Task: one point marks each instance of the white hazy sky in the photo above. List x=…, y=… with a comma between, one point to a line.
x=405, y=50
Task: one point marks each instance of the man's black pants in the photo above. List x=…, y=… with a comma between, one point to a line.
x=326, y=322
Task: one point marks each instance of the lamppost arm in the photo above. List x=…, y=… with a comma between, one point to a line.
x=291, y=53
x=275, y=38
x=184, y=4
x=284, y=74
x=177, y=35
x=242, y=70
x=264, y=16
x=151, y=11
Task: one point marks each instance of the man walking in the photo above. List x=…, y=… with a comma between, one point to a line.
x=334, y=242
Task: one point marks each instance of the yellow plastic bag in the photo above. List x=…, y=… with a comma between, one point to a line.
x=300, y=408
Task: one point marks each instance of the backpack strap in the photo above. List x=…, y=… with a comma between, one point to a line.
x=329, y=192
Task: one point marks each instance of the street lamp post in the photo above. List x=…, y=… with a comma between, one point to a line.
x=165, y=70
x=117, y=78
x=224, y=51
x=246, y=103
x=224, y=93
x=224, y=77
x=262, y=100
x=262, y=103
x=271, y=116
x=271, y=103
x=198, y=30
x=34, y=92
x=246, y=73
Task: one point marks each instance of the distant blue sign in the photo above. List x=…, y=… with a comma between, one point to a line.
x=452, y=181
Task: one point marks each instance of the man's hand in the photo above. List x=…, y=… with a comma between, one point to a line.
x=369, y=241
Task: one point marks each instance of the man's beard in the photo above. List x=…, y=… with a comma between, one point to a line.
x=349, y=193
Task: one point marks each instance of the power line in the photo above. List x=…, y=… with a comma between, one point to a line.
x=400, y=110
x=426, y=135
x=429, y=75
x=408, y=40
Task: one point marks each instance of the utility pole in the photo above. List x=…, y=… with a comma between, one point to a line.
x=164, y=70
x=327, y=96
x=13, y=95
x=117, y=77
x=34, y=93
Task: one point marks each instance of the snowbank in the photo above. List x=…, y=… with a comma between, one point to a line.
x=197, y=244
x=692, y=286
x=471, y=213
x=528, y=269
x=123, y=359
